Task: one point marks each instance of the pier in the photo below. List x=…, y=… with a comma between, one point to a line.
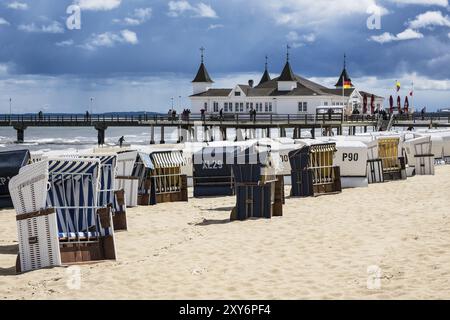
x=266, y=122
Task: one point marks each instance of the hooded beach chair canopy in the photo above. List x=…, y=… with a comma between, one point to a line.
x=10, y=164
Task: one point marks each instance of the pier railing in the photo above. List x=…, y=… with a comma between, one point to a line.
x=238, y=118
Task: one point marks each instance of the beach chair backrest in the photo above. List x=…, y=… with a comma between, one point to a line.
x=321, y=162
x=125, y=163
x=73, y=192
x=167, y=170
x=29, y=188
x=388, y=152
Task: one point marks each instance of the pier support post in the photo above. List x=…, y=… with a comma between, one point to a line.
x=268, y=133
x=223, y=133
x=313, y=133
x=205, y=134
x=101, y=128
x=282, y=132
x=20, y=133
x=152, y=135
x=211, y=133
x=162, y=136
x=180, y=137
x=194, y=134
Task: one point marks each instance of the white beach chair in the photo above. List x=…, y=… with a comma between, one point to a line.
x=420, y=156
x=125, y=179
x=58, y=218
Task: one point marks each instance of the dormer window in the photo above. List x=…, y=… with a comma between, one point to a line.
x=237, y=93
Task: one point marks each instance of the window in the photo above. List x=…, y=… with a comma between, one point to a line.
x=237, y=93
x=241, y=105
x=225, y=106
x=216, y=106
x=266, y=107
x=206, y=106
x=270, y=106
x=236, y=107
x=247, y=106
x=302, y=107
x=251, y=105
x=230, y=106
x=325, y=104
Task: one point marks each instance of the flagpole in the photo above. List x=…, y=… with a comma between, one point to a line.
x=412, y=97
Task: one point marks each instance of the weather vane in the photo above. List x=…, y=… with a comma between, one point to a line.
x=202, y=50
x=287, y=52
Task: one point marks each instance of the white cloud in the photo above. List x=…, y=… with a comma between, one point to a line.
x=387, y=37
x=200, y=10
x=110, y=39
x=18, y=5
x=215, y=26
x=301, y=13
x=430, y=19
x=54, y=27
x=129, y=36
x=65, y=43
x=98, y=5
x=297, y=40
x=442, y=3
x=139, y=16
x=4, y=22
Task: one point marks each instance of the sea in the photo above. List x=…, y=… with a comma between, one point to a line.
x=75, y=139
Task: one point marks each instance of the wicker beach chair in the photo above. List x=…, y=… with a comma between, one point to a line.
x=313, y=171
x=58, y=218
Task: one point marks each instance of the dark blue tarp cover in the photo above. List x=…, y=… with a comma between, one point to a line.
x=10, y=164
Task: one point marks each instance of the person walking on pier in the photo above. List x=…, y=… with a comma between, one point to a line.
x=202, y=112
x=121, y=141
x=221, y=114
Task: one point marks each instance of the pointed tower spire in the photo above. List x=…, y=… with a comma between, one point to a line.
x=266, y=75
x=344, y=80
x=287, y=74
x=202, y=73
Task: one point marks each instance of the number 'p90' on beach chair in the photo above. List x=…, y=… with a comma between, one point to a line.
x=58, y=217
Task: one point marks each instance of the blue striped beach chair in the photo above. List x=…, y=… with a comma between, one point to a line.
x=58, y=215
x=108, y=195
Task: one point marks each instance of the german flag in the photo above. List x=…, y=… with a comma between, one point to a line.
x=348, y=84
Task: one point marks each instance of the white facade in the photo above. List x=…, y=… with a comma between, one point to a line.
x=277, y=97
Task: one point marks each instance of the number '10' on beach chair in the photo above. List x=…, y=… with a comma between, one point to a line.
x=58, y=218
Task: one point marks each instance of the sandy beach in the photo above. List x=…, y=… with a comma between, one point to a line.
x=320, y=249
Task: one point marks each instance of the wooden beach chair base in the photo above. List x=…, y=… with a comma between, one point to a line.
x=86, y=252
x=120, y=215
x=424, y=165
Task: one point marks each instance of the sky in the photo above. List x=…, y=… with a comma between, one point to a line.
x=141, y=55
